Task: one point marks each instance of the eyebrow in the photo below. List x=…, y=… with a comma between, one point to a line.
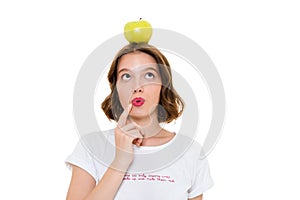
x=146, y=69
x=124, y=69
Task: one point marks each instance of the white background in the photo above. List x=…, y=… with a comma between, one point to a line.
x=254, y=44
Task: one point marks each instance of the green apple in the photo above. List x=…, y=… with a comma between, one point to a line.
x=138, y=31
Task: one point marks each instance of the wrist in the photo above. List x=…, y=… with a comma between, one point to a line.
x=120, y=165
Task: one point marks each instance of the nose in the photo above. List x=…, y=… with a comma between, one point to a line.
x=140, y=89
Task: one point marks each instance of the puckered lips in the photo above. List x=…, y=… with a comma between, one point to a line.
x=138, y=101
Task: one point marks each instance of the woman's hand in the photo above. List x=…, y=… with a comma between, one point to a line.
x=126, y=134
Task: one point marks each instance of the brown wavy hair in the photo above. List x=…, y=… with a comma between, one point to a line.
x=171, y=103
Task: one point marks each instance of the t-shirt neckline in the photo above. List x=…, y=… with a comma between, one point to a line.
x=158, y=147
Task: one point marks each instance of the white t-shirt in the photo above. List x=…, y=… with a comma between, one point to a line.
x=181, y=177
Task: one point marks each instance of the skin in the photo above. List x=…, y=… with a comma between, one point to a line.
x=138, y=76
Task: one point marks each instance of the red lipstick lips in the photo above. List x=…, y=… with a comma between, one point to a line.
x=139, y=101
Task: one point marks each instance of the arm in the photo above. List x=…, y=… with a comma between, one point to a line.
x=197, y=197
x=83, y=185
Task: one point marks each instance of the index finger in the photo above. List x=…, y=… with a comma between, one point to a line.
x=123, y=117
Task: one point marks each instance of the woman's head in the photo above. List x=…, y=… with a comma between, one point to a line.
x=141, y=70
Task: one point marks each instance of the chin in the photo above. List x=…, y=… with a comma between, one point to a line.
x=140, y=114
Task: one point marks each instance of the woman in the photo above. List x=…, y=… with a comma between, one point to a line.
x=142, y=96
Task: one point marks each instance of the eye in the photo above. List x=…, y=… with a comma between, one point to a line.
x=126, y=77
x=149, y=75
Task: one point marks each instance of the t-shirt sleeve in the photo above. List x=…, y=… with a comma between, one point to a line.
x=81, y=158
x=201, y=178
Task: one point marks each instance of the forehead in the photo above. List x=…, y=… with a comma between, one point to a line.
x=135, y=60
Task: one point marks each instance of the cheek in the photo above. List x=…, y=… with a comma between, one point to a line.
x=155, y=90
x=124, y=94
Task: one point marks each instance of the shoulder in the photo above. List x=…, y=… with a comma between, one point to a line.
x=95, y=142
x=96, y=138
x=190, y=146
x=90, y=153
x=193, y=155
